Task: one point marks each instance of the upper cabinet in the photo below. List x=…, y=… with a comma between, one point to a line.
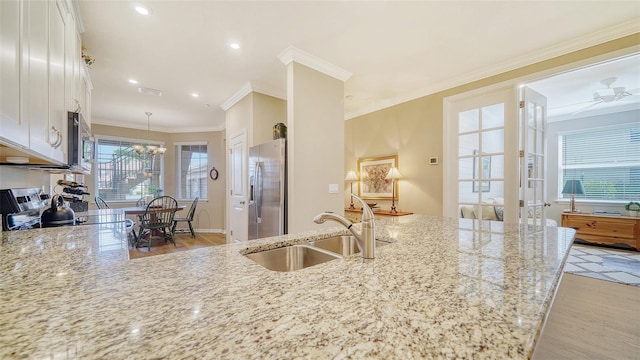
x=12, y=125
x=41, y=62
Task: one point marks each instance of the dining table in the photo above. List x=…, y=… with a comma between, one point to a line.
x=140, y=210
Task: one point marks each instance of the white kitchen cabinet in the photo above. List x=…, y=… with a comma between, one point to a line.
x=43, y=76
x=73, y=56
x=35, y=104
x=13, y=128
x=57, y=108
x=85, y=93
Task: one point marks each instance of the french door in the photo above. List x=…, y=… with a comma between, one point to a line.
x=481, y=156
x=496, y=155
x=533, y=162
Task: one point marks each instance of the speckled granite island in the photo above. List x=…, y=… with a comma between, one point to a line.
x=446, y=288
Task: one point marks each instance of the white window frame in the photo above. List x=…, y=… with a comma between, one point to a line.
x=176, y=145
x=96, y=176
x=559, y=196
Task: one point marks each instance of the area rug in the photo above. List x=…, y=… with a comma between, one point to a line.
x=620, y=266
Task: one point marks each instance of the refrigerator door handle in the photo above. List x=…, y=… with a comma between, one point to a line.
x=258, y=197
x=252, y=191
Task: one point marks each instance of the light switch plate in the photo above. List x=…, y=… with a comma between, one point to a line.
x=333, y=188
x=433, y=160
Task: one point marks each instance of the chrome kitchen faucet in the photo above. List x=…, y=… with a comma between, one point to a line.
x=366, y=237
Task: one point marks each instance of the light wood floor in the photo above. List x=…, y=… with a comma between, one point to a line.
x=592, y=319
x=184, y=242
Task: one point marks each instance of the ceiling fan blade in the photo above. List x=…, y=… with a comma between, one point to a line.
x=587, y=108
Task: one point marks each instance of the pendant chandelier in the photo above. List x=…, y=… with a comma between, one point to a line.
x=150, y=149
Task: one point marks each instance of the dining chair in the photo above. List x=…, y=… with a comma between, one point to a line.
x=141, y=202
x=188, y=219
x=100, y=203
x=157, y=220
x=128, y=223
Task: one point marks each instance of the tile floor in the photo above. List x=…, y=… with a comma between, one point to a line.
x=606, y=264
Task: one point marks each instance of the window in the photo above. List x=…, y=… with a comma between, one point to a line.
x=121, y=174
x=607, y=161
x=192, y=167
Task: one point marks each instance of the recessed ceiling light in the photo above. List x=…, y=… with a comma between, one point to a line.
x=142, y=10
x=195, y=94
x=133, y=81
x=234, y=45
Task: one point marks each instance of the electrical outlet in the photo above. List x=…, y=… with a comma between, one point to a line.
x=433, y=160
x=333, y=188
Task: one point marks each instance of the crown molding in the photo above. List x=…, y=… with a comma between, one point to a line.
x=533, y=57
x=163, y=129
x=294, y=54
x=247, y=89
x=239, y=95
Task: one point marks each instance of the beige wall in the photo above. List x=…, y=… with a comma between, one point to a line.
x=267, y=111
x=210, y=213
x=257, y=114
x=239, y=117
x=414, y=131
x=315, y=111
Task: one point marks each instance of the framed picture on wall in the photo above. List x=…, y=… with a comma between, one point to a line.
x=373, y=171
x=485, y=168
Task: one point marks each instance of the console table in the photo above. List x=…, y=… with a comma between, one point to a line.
x=604, y=229
x=355, y=215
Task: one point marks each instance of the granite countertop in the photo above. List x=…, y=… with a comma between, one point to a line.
x=446, y=288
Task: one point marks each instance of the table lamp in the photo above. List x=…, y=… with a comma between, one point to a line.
x=573, y=187
x=351, y=177
x=393, y=175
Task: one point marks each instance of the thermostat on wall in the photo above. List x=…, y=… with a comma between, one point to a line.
x=433, y=160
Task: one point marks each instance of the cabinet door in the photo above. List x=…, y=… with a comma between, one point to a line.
x=72, y=56
x=87, y=86
x=36, y=101
x=13, y=128
x=57, y=108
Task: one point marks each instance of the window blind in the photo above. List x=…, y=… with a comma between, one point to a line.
x=193, y=171
x=606, y=160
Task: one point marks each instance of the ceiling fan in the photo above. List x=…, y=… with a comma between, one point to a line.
x=610, y=94
x=607, y=94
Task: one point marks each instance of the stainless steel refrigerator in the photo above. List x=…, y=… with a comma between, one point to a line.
x=267, y=189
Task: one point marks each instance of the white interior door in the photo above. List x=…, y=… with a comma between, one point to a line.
x=481, y=156
x=533, y=163
x=238, y=217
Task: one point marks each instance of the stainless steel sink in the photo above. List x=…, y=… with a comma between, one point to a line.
x=291, y=258
x=344, y=245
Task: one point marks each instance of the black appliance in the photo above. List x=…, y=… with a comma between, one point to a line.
x=81, y=144
x=20, y=208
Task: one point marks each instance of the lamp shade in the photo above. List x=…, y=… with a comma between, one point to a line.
x=351, y=176
x=393, y=174
x=573, y=187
